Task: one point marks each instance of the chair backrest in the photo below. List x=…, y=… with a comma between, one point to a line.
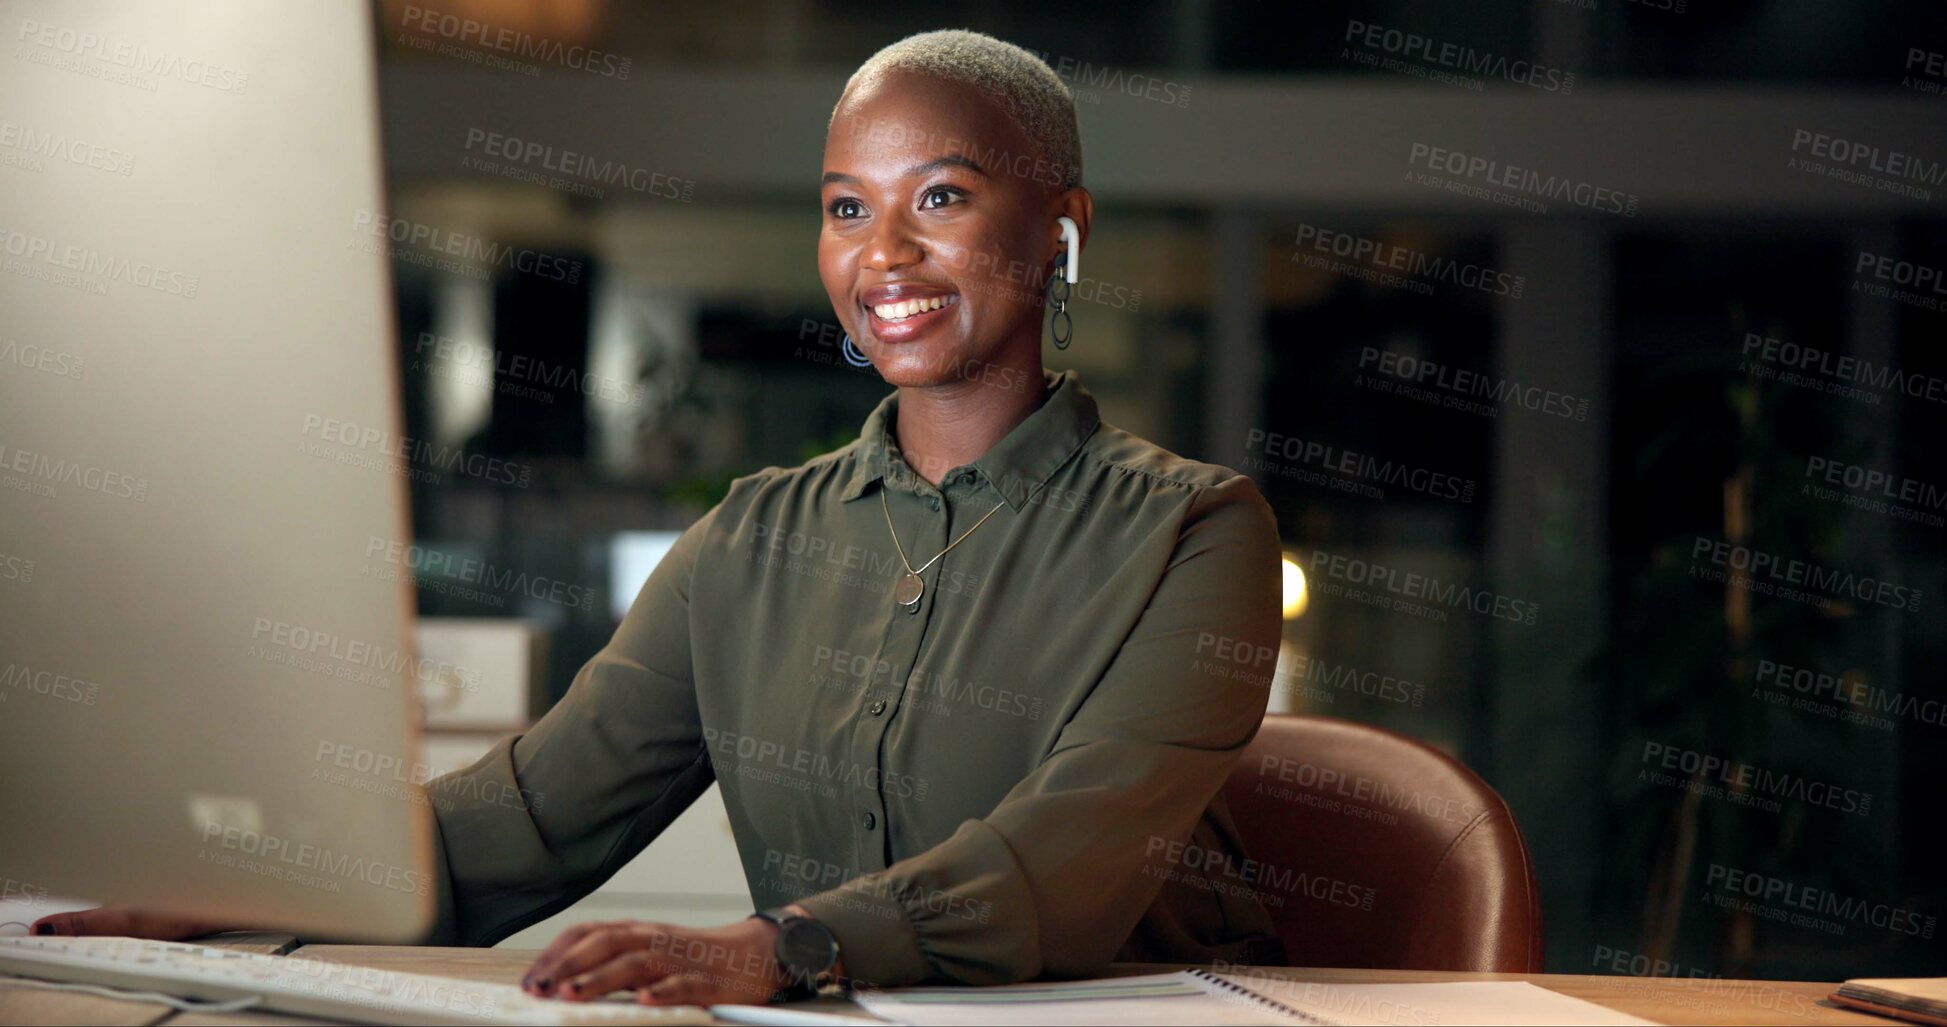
x=1390, y=853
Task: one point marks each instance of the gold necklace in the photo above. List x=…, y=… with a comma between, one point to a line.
x=909, y=588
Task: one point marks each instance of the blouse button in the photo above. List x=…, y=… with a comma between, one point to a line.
x=878, y=706
x=870, y=821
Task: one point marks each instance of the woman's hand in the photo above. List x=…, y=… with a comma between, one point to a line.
x=126, y=923
x=665, y=964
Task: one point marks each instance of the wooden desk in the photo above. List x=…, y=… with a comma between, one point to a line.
x=1665, y=1000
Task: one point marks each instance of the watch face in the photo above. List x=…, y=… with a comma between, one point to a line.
x=807, y=946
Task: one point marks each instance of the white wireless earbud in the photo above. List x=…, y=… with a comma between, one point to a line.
x=1071, y=237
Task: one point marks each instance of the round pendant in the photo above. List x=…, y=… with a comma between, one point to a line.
x=907, y=590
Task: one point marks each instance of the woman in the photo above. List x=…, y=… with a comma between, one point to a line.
x=966, y=682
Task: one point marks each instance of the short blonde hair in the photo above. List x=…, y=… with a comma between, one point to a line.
x=1025, y=87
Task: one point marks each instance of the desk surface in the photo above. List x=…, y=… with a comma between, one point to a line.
x=1665, y=1000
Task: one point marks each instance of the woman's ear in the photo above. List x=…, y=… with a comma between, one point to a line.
x=1078, y=206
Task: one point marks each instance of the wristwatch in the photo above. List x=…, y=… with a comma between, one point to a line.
x=807, y=950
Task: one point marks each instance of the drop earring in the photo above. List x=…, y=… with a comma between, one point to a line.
x=1060, y=325
x=1068, y=264
x=852, y=354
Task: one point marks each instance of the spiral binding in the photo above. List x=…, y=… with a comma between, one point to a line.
x=1263, y=1000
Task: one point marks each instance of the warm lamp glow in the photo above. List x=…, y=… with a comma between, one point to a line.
x=1296, y=598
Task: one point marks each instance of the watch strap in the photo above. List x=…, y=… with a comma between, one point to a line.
x=805, y=980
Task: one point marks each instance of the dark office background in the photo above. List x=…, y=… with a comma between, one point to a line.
x=1253, y=130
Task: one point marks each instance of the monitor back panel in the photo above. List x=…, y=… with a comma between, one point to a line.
x=206, y=672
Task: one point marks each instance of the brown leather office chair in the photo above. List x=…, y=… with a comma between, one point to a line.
x=1359, y=816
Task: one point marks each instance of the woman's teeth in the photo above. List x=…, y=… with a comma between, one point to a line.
x=902, y=311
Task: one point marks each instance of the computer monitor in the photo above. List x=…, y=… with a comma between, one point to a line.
x=206, y=681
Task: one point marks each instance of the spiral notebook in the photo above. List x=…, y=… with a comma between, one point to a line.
x=1200, y=997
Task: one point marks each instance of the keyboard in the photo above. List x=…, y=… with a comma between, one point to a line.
x=308, y=987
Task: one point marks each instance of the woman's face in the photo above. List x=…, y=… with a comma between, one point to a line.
x=939, y=230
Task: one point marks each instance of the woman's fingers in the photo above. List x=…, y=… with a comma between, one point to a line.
x=666, y=965
x=633, y=968
x=86, y=921
x=109, y=920
x=683, y=989
x=551, y=955
x=588, y=950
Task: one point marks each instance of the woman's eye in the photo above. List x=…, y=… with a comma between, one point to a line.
x=939, y=197
x=846, y=209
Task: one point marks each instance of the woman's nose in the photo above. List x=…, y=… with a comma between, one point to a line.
x=892, y=245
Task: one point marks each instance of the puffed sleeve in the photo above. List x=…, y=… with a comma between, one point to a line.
x=547, y=816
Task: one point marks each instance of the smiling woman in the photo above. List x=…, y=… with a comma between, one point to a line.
x=966, y=731
x=931, y=226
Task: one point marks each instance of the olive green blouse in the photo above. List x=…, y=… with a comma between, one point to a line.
x=1016, y=777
